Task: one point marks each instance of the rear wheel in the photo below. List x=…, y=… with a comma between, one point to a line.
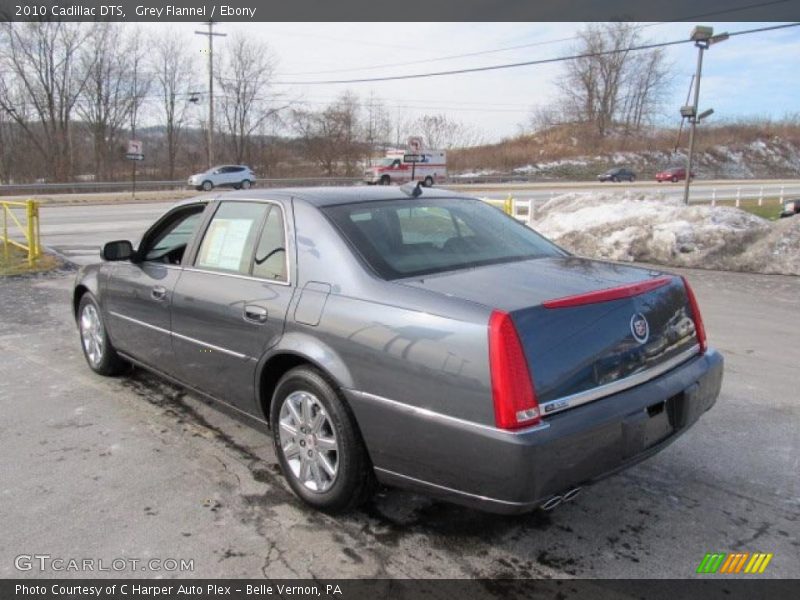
x=615, y=179
x=207, y=186
x=318, y=444
x=674, y=179
x=97, y=347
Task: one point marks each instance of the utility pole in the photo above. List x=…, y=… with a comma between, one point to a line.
x=702, y=37
x=210, y=34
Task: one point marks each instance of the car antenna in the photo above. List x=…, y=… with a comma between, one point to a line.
x=410, y=189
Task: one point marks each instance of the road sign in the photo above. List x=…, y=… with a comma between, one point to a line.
x=410, y=158
x=131, y=156
x=415, y=144
x=135, y=147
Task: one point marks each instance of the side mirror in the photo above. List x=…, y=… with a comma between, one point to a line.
x=117, y=250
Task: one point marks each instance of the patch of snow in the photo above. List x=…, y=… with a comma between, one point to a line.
x=659, y=229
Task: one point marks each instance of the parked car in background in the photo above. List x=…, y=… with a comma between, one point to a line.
x=617, y=174
x=422, y=339
x=790, y=208
x=235, y=176
x=673, y=174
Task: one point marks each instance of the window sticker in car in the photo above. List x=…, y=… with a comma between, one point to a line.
x=226, y=243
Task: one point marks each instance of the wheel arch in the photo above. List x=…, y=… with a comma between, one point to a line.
x=296, y=350
x=87, y=283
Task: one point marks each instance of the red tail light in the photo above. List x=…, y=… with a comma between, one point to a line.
x=515, y=403
x=698, y=319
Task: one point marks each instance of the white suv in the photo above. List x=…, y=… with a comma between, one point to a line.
x=236, y=176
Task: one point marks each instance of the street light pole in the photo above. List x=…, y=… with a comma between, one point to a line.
x=701, y=48
x=703, y=37
x=210, y=34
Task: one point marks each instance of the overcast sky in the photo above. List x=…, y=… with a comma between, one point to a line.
x=754, y=75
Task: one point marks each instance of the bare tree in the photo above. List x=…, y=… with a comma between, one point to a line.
x=377, y=126
x=440, y=131
x=173, y=66
x=330, y=137
x=108, y=98
x=610, y=83
x=45, y=82
x=244, y=76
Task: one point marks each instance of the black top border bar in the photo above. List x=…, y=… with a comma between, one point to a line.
x=400, y=11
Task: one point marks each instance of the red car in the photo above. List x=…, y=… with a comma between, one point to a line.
x=673, y=174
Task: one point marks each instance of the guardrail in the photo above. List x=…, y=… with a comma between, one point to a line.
x=29, y=231
x=125, y=186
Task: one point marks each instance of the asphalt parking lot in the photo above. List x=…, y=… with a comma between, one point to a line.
x=136, y=468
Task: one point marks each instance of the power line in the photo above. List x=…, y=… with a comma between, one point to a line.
x=517, y=64
x=530, y=45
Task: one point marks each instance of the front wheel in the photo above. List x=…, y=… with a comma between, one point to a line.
x=317, y=443
x=97, y=347
x=246, y=184
x=207, y=186
x=428, y=181
x=674, y=179
x=385, y=180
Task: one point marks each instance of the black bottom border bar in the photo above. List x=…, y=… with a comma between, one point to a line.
x=710, y=588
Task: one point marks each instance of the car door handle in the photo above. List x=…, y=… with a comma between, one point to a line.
x=256, y=314
x=159, y=292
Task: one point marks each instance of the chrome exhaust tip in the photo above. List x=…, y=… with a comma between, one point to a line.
x=571, y=494
x=551, y=503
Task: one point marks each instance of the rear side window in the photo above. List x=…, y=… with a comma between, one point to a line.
x=412, y=237
x=269, y=261
x=231, y=237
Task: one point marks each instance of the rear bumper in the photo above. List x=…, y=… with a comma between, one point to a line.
x=514, y=472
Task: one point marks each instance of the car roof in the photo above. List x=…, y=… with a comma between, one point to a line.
x=330, y=196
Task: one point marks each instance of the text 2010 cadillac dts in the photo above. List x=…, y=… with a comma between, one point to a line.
x=426, y=341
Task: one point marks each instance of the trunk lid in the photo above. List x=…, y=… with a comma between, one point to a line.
x=577, y=353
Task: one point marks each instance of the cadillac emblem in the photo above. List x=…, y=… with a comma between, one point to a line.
x=640, y=328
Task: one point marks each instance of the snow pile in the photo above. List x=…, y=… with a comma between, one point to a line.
x=658, y=229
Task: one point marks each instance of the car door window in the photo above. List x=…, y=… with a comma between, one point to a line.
x=229, y=241
x=169, y=244
x=269, y=260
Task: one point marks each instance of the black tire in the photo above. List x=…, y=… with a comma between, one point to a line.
x=428, y=182
x=245, y=185
x=615, y=179
x=674, y=179
x=386, y=180
x=354, y=479
x=106, y=361
x=207, y=186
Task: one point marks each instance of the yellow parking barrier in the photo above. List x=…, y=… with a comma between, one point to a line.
x=29, y=230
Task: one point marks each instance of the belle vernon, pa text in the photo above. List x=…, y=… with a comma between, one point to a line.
x=125, y=589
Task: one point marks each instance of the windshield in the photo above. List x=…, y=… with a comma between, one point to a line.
x=408, y=238
x=386, y=162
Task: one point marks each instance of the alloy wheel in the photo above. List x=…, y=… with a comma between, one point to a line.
x=92, y=334
x=308, y=441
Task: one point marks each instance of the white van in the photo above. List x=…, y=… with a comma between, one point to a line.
x=431, y=168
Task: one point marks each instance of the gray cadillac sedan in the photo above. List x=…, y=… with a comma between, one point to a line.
x=420, y=339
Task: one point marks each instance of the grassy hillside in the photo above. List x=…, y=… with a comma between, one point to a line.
x=736, y=150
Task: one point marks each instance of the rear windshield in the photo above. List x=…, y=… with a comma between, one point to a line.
x=412, y=237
